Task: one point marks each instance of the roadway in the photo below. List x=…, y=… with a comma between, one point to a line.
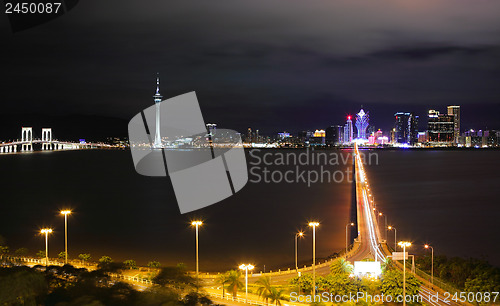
x=370, y=238
x=368, y=245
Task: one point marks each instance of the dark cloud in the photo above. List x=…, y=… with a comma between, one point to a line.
x=271, y=65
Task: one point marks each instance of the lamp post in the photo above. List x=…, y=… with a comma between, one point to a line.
x=299, y=234
x=66, y=213
x=432, y=261
x=385, y=216
x=395, y=232
x=314, y=225
x=46, y=231
x=404, y=244
x=246, y=268
x=197, y=224
x=346, y=237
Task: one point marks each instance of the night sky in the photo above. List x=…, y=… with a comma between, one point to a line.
x=270, y=65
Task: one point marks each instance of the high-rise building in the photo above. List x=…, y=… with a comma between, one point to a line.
x=454, y=110
x=249, y=137
x=318, y=138
x=334, y=135
x=362, y=122
x=157, y=98
x=440, y=128
x=283, y=135
x=406, y=128
x=348, y=132
x=319, y=133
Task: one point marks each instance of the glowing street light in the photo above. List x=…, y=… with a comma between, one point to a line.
x=346, y=246
x=46, y=231
x=246, y=268
x=395, y=233
x=299, y=234
x=404, y=244
x=432, y=261
x=66, y=213
x=314, y=225
x=197, y=224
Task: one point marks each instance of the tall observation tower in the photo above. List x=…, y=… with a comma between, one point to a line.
x=157, y=143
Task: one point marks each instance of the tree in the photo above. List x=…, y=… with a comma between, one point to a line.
x=62, y=255
x=22, y=286
x=234, y=282
x=304, y=282
x=341, y=266
x=84, y=257
x=483, y=283
x=264, y=289
x=392, y=284
x=222, y=279
x=154, y=264
x=105, y=260
x=174, y=276
x=339, y=284
x=130, y=263
x=4, y=250
x=40, y=254
x=106, y=264
x=21, y=252
x=276, y=295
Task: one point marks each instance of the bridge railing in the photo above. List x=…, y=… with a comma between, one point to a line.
x=228, y=297
x=134, y=279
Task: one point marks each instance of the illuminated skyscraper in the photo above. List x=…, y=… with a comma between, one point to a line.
x=334, y=135
x=454, y=110
x=157, y=143
x=440, y=128
x=405, y=128
x=362, y=122
x=348, y=132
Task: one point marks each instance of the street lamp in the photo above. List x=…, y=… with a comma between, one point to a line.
x=314, y=225
x=404, y=244
x=299, y=234
x=66, y=213
x=395, y=233
x=246, y=268
x=432, y=261
x=197, y=224
x=385, y=216
x=346, y=246
x=46, y=231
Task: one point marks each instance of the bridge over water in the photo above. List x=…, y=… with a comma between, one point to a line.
x=47, y=143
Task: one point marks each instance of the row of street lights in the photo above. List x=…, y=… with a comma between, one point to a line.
x=249, y=267
x=314, y=224
x=47, y=231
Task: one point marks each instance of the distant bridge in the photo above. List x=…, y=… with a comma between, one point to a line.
x=47, y=143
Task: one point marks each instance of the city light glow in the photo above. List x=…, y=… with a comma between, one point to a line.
x=404, y=244
x=46, y=231
x=246, y=267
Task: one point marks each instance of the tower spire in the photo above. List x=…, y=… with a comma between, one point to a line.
x=157, y=142
x=157, y=83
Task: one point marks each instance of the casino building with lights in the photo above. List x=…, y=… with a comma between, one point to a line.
x=362, y=122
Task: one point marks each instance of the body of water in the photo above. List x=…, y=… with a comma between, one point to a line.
x=447, y=198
